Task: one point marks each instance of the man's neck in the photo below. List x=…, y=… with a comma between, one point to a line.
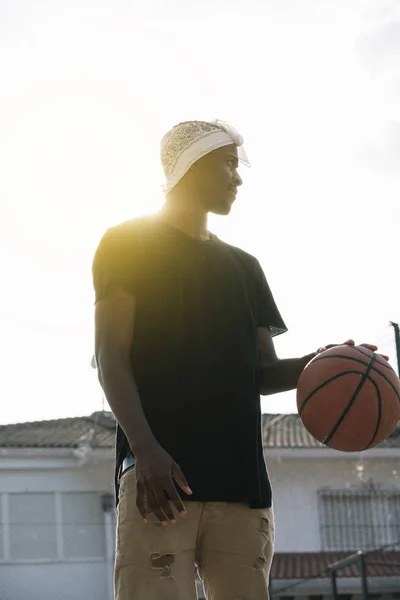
x=193, y=223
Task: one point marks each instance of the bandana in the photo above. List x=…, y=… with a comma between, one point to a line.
x=187, y=142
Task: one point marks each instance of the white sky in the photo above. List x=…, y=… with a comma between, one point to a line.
x=88, y=89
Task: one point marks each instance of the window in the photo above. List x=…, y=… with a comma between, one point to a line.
x=83, y=526
x=32, y=523
x=359, y=520
x=50, y=526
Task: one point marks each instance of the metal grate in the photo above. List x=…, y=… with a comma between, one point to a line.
x=359, y=519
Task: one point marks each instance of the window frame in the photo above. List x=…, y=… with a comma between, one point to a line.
x=5, y=524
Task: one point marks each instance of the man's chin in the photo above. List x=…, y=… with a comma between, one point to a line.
x=223, y=208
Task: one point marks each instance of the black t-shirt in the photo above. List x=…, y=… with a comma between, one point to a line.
x=194, y=356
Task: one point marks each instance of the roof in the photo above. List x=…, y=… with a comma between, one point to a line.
x=278, y=431
x=314, y=565
x=98, y=430
x=286, y=431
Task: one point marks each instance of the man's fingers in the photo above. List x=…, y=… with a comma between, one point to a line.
x=329, y=346
x=374, y=348
x=164, y=505
x=141, y=503
x=371, y=347
x=174, y=497
x=180, y=479
x=154, y=506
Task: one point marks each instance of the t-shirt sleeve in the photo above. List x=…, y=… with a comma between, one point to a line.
x=116, y=263
x=267, y=311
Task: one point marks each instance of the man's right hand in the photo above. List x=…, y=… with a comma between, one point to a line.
x=156, y=472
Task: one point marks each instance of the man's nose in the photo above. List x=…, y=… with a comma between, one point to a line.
x=238, y=179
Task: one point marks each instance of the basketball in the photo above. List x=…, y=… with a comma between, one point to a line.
x=348, y=398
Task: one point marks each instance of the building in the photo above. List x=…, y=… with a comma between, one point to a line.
x=57, y=517
x=328, y=505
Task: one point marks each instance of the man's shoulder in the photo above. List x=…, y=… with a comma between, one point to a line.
x=126, y=239
x=240, y=254
x=134, y=227
x=131, y=233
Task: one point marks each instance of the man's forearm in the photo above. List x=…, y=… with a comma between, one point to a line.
x=282, y=375
x=120, y=389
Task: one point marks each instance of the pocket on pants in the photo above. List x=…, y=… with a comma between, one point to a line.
x=127, y=482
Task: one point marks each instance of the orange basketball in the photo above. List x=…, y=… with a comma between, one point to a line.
x=348, y=398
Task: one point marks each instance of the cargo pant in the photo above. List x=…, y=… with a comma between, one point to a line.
x=231, y=544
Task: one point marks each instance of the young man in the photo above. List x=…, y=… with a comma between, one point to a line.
x=184, y=328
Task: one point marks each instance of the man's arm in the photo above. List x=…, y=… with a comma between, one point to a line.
x=277, y=375
x=155, y=469
x=114, y=326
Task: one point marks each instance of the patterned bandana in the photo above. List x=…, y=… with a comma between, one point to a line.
x=187, y=142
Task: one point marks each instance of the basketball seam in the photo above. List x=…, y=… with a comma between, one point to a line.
x=361, y=362
x=379, y=399
x=350, y=403
x=367, y=356
x=358, y=360
x=326, y=382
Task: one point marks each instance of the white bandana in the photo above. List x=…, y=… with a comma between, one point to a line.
x=187, y=142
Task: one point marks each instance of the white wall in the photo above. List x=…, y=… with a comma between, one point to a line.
x=296, y=483
x=64, y=474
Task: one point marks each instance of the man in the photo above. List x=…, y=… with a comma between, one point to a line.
x=184, y=348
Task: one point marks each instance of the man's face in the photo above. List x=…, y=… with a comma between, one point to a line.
x=216, y=178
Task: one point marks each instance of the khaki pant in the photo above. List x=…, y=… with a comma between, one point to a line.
x=231, y=544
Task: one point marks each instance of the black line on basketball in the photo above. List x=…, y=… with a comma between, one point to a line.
x=378, y=423
x=323, y=357
x=386, y=366
x=351, y=402
x=361, y=362
x=396, y=393
x=327, y=382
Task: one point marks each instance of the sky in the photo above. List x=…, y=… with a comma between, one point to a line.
x=87, y=91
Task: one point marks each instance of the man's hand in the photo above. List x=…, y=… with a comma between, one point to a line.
x=156, y=472
x=371, y=347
